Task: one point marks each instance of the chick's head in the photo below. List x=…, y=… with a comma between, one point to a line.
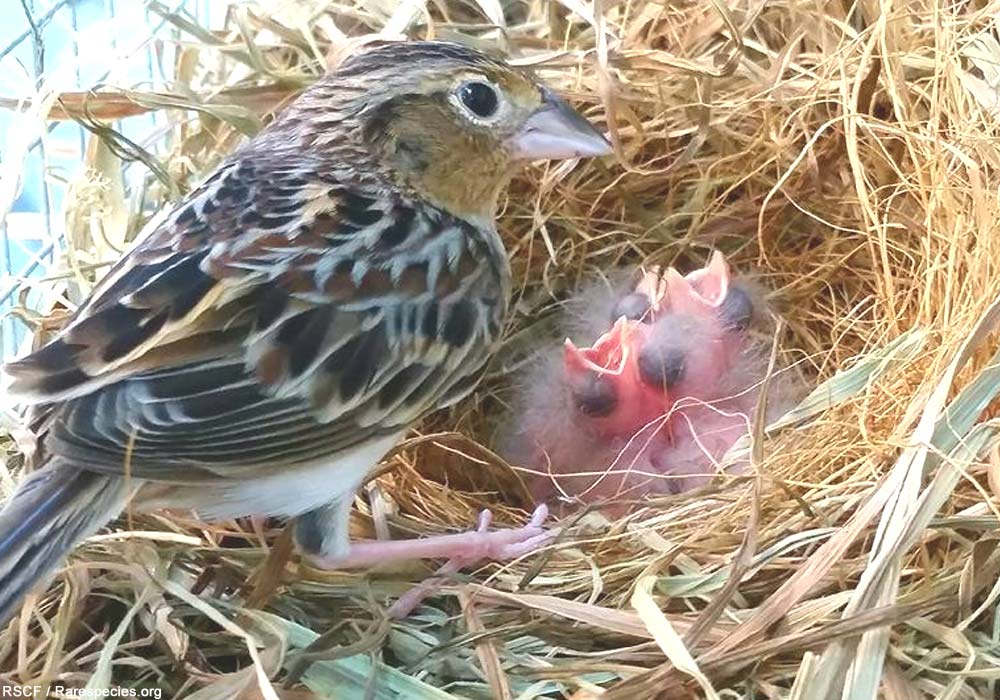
x=674, y=337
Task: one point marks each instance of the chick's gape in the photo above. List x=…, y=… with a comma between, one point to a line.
x=263, y=346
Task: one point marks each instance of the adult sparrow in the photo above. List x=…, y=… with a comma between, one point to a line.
x=270, y=339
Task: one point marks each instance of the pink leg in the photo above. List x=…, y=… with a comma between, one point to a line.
x=460, y=549
x=500, y=549
x=409, y=601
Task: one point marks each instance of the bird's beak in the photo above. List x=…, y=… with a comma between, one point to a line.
x=557, y=131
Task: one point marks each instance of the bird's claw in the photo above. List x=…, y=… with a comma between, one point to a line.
x=502, y=545
x=480, y=545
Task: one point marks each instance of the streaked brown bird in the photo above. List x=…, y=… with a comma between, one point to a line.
x=266, y=343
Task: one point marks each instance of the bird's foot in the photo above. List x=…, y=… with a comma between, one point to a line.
x=503, y=545
x=464, y=548
x=460, y=550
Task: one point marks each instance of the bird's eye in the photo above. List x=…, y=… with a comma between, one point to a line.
x=479, y=98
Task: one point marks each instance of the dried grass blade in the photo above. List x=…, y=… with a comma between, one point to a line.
x=850, y=382
x=263, y=682
x=910, y=511
x=744, y=557
x=486, y=650
x=609, y=619
x=352, y=678
x=100, y=681
x=666, y=636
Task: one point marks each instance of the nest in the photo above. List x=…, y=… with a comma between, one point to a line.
x=844, y=153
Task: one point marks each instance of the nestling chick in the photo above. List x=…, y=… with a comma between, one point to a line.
x=655, y=403
x=263, y=346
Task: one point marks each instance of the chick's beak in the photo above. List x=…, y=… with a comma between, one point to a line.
x=557, y=131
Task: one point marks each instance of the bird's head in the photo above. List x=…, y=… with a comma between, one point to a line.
x=452, y=123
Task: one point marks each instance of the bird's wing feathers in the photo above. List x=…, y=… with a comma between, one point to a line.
x=273, y=317
x=160, y=305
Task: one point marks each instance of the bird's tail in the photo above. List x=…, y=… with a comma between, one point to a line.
x=50, y=511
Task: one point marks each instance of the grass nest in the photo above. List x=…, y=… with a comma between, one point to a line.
x=844, y=152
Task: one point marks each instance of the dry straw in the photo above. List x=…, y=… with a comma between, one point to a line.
x=844, y=152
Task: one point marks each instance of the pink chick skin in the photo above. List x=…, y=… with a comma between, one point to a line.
x=655, y=403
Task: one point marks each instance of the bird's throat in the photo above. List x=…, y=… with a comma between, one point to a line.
x=467, y=190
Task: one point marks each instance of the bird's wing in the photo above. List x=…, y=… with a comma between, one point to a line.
x=274, y=314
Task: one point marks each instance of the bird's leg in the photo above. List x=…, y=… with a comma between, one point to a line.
x=460, y=549
x=409, y=601
x=322, y=535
